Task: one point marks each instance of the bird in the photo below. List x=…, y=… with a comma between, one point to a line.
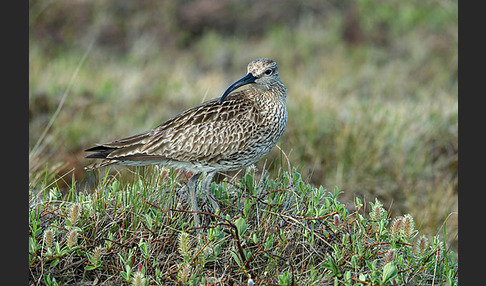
x=222, y=134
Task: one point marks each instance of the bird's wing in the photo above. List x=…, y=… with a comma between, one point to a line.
x=204, y=133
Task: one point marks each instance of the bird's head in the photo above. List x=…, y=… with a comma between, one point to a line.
x=261, y=72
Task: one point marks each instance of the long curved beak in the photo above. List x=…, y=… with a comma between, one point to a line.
x=247, y=79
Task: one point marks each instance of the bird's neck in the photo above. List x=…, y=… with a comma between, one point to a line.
x=276, y=92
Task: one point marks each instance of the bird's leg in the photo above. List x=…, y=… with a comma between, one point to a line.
x=192, y=187
x=207, y=187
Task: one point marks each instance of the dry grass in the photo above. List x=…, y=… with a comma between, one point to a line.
x=375, y=118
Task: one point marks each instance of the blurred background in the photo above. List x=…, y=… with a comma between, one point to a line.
x=372, y=88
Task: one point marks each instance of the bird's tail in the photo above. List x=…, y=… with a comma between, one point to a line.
x=97, y=165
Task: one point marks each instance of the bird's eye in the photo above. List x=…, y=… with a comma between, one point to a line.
x=268, y=72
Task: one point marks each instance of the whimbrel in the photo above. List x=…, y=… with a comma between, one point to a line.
x=221, y=134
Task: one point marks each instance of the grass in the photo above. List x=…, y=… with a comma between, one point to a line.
x=274, y=232
x=377, y=117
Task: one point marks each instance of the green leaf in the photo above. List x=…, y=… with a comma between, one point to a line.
x=33, y=245
x=241, y=225
x=54, y=262
x=269, y=243
x=362, y=277
x=90, y=267
x=144, y=248
x=126, y=273
x=49, y=281
x=284, y=279
x=247, y=207
x=331, y=265
x=389, y=271
x=236, y=257
x=347, y=278
x=254, y=238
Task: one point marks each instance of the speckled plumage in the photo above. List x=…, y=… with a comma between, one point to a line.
x=212, y=136
x=222, y=134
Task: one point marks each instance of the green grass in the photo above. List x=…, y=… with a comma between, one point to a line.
x=378, y=119
x=279, y=231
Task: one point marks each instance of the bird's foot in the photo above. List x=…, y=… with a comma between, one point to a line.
x=207, y=187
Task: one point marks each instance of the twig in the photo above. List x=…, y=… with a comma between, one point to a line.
x=301, y=224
